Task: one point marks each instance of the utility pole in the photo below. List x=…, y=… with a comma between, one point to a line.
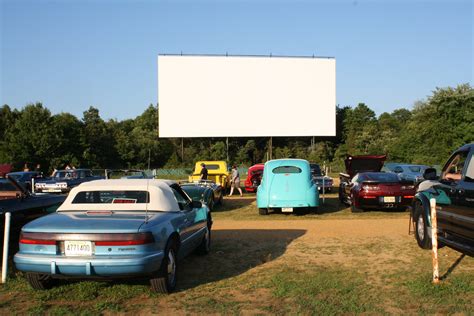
x=227, y=146
x=270, y=145
x=182, y=149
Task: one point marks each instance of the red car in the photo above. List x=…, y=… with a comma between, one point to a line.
x=254, y=177
x=379, y=190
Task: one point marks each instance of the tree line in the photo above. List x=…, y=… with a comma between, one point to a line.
x=426, y=134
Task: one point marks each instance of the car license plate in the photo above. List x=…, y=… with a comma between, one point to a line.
x=77, y=248
x=389, y=199
x=52, y=190
x=287, y=209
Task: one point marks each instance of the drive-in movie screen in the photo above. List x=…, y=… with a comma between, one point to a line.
x=266, y=157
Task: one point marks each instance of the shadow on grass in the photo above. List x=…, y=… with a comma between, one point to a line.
x=452, y=267
x=233, y=203
x=234, y=252
x=330, y=205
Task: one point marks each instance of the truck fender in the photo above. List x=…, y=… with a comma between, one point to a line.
x=425, y=202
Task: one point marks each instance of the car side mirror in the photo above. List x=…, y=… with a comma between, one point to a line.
x=196, y=204
x=430, y=174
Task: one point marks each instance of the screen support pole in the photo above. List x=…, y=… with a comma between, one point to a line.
x=182, y=149
x=227, y=148
x=270, y=145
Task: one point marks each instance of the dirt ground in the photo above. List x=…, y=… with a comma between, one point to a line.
x=329, y=263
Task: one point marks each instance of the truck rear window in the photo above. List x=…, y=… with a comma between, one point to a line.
x=286, y=169
x=111, y=197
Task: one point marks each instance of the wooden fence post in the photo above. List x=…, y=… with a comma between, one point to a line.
x=5, y=247
x=434, y=240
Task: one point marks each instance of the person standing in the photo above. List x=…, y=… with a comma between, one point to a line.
x=235, y=181
x=203, y=172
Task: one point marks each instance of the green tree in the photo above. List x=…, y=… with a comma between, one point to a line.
x=29, y=138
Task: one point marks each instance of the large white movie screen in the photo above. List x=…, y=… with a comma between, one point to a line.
x=240, y=96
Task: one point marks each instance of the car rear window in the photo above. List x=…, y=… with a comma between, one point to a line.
x=212, y=167
x=111, y=197
x=286, y=169
x=381, y=177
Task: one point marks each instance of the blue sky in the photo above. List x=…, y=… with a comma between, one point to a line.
x=74, y=54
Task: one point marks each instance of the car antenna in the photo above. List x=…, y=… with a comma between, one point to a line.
x=147, y=200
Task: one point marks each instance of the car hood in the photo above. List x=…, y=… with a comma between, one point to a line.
x=320, y=178
x=81, y=222
x=53, y=181
x=368, y=163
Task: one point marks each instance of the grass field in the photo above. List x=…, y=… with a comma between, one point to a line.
x=334, y=262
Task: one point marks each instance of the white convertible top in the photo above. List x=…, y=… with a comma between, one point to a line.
x=161, y=195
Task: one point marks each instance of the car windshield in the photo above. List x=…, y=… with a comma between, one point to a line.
x=380, y=177
x=17, y=177
x=6, y=185
x=65, y=174
x=286, y=169
x=111, y=197
x=315, y=170
x=417, y=169
x=212, y=167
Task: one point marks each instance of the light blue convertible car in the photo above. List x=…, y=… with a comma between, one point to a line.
x=287, y=185
x=116, y=228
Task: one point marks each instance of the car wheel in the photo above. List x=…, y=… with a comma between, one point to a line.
x=421, y=227
x=205, y=246
x=221, y=198
x=165, y=282
x=39, y=281
x=341, y=195
x=263, y=211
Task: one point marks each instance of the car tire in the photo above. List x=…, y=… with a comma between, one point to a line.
x=167, y=277
x=39, y=281
x=205, y=246
x=221, y=198
x=421, y=227
x=263, y=211
x=341, y=196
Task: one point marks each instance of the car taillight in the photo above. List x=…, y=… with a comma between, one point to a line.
x=370, y=188
x=36, y=239
x=126, y=239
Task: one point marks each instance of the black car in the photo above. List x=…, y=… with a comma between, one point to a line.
x=25, y=177
x=454, y=194
x=23, y=206
x=64, y=180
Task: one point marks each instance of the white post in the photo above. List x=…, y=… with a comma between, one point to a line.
x=5, y=247
x=32, y=185
x=434, y=240
x=323, y=187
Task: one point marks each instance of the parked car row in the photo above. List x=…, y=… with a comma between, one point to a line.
x=140, y=228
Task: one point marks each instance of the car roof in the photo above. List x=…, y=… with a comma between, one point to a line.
x=161, y=195
x=23, y=172
x=466, y=147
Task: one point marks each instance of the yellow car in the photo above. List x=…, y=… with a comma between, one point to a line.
x=217, y=172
